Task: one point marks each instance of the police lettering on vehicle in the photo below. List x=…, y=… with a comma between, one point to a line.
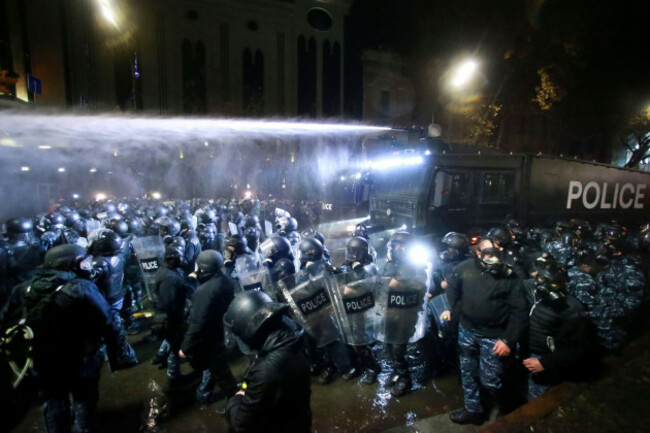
x=359, y=304
x=315, y=302
x=149, y=265
x=407, y=299
x=327, y=206
x=605, y=195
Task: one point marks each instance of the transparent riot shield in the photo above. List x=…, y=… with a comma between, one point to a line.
x=311, y=302
x=403, y=304
x=268, y=228
x=91, y=226
x=358, y=313
x=253, y=276
x=437, y=306
x=149, y=251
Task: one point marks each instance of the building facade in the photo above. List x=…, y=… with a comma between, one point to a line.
x=249, y=58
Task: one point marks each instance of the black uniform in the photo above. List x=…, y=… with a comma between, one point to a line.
x=172, y=290
x=67, y=357
x=204, y=339
x=276, y=387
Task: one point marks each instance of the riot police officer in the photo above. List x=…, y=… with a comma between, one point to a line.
x=403, y=276
x=277, y=256
x=359, y=266
x=276, y=388
x=108, y=265
x=234, y=247
x=172, y=289
x=204, y=340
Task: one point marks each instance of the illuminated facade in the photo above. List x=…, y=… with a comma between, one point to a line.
x=221, y=57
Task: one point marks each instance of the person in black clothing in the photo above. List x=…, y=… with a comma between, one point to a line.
x=276, y=388
x=204, y=340
x=69, y=317
x=279, y=258
x=559, y=333
x=491, y=309
x=172, y=289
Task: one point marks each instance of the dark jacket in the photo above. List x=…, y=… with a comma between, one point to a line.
x=70, y=326
x=172, y=290
x=277, y=387
x=492, y=307
x=205, y=334
x=111, y=276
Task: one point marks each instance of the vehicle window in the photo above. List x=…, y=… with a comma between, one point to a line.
x=497, y=187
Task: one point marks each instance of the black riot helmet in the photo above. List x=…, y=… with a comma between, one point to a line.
x=357, y=251
x=252, y=236
x=135, y=225
x=251, y=317
x=174, y=255
x=499, y=235
x=251, y=221
x=456, y=240
x=396, y=247
x=70, y=258
x=56, y=221
x=278, y=247
x=209, y=262
x=17, y=226
x=119, y=226
x=167, y=226
x=360, y=231
x=238, y=242
x=550, y=283
x=311, y=250
x=72, y=218
x=108, y=244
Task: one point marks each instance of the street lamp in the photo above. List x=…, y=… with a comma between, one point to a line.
x=464, y=73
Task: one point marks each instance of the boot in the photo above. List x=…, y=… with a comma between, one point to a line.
x=464, y=417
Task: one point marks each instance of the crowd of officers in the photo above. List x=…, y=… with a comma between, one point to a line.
x=515, y=310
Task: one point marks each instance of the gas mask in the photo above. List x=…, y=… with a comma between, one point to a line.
x=491, y=261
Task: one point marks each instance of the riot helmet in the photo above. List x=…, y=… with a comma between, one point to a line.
x=236, y=243
x=396, y=247
x=457, y=244
x=174, y=255
x=108, y=244
x=19, y=226
x=119, y=226
x=550, y=284
x=250, y=318
x=69, y=258
x=55, y=221
x=360, y=231
x=209, y=263
x=311, y=251
x=500, y=236
x=357, y=251
x=167, y=226
x=276, y=248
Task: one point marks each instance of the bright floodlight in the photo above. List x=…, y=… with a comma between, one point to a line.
x=93, y=170
x=156, y=195
x=100, y=196
x=25, y=168
x=44, y=147
x=61, y=169
x=419, y=254
x=464, y=73
x=248, y=194
x=75, y=196
x=107, y=11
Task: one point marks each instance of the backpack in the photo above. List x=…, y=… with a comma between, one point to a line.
x=16, y=341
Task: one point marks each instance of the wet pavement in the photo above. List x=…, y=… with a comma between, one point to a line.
x=141, y=400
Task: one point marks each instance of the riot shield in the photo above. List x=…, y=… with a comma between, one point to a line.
x=268, y=228
x=403, y=304
x=253, y=276
x=437, y=306
x=358, y=313
x=310, y=299
x=91, y=226
x=149, y=251
x=232, y=228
